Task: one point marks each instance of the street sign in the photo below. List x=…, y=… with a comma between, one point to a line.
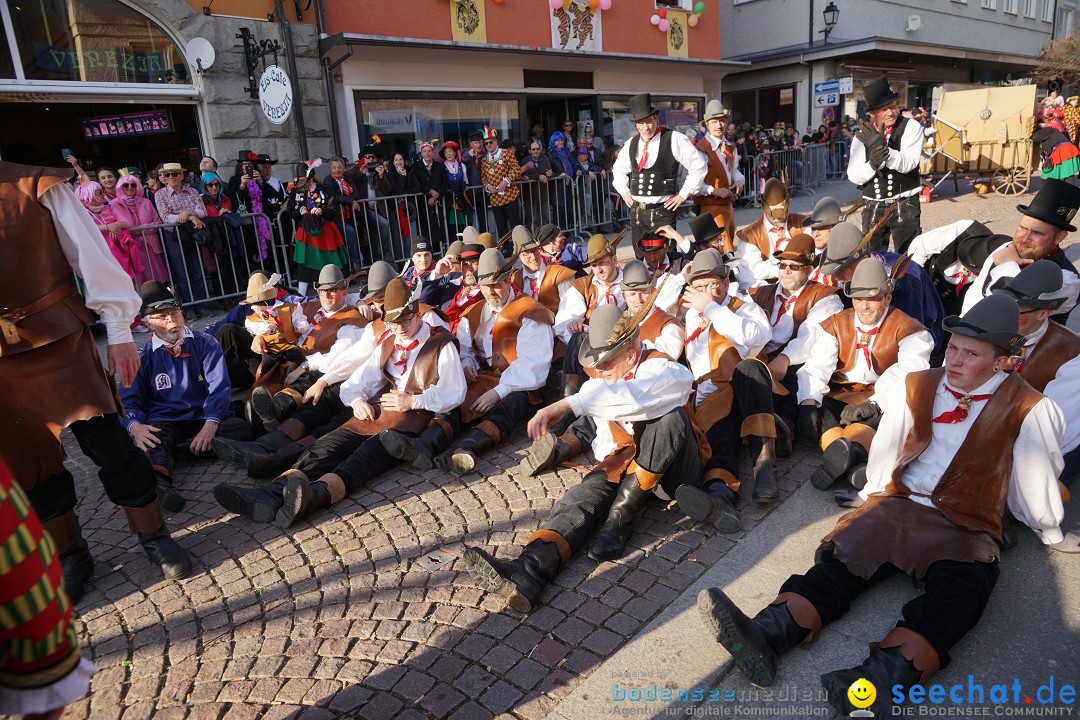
x=826, y=99
x=846, y=85
x=829, y=86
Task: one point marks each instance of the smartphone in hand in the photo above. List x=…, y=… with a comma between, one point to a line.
x=66, y=153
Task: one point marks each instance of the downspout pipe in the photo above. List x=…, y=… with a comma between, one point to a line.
x=290, y=58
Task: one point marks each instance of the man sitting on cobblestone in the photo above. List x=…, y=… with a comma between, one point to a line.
x=646, y=444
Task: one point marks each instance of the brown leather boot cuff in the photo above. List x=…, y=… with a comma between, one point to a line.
x=803, y=612
x=720, y=474
x=489, y=428
x=293, y=428
x=759, y=424
x=296, y=397
x=915, y=648
x=556, y=539
x=447, y=430
x=646, y=480
x=64, y=530
x=861, y=434
x=576, y=446
x=335, y=485
x=146, y=519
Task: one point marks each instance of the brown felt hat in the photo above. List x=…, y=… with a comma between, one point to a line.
x=399, y=304
x=799, y=249
x=775, y=192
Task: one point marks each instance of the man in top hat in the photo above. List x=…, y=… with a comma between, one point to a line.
x=181, y=392
x=929, y=469
x=819, y=224
x=657, y=329
x=856, y=358
x=51, y=375
x=321, y=408
x=646, y=170
x=723, y=181
x=769, y=234
x=913, y=292
x=506, y=346
x=953, y=255
x=544, y=282
x=884, y=163
x=498, y=171
x=468, y=292
x=414, y=374
x=556, y=251
x=335, y=322
x=733, y=402
x=1045, y=224
x=646, y=445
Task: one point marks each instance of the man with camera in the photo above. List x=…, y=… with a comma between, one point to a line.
x=368, y=180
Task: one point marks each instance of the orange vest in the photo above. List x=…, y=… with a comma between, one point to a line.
x=323, y=335
x=715, y=175
x=554, y=275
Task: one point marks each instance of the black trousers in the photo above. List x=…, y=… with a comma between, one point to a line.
x=570, y=363
x=645, y=218
x=240, y=361
x=665, y=447
x=174, y=432
x=292, y=355
x=123, y=469
x=305, y=381
x=787, y=406
x=329, y=414
x=356, y=458
x=507, y=217
x=953, y=599
x=752, y=387
x=513, y=409
x=903, y=225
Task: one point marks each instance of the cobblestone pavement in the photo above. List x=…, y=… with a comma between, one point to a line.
x=346, y=617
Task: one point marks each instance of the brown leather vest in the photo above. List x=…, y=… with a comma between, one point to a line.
x=505, y=330
x=584, y=285
x=1057, y=346
x=285, y=338
x=756, y=234
x=323, y=336
x=554, y=275
x=715, y=175
x=973, y=489
x=886, y=344
x=654, y=325
x=812, y=294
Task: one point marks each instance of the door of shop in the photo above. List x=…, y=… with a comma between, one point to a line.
x=551, y=112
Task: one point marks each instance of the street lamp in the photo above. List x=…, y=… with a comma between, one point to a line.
x=831, y=13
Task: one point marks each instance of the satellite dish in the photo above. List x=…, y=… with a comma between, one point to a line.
x=201, y=53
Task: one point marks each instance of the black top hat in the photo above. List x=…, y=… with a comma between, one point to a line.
x=1055, y=203
x=157, y=296
x=264, y=159
x=245, y=156
x=972, y=251
x=994, y=319
x=704, y=228
x=878, y=94
x=641, y=107
x=651, y=240
x=1038, y=286
x=379, y=275
x=369, y=150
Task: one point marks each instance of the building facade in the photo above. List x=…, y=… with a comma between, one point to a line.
x=111, y=81
x=919, y=44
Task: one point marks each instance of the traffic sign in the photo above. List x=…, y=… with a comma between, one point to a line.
x=829, y=86
x=846, y=85
x=827, y=99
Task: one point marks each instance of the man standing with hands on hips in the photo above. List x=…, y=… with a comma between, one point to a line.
x=885, y=165
x=647, y=167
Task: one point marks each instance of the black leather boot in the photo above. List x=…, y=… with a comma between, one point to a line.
x=610, y=542
x=271, y=464
x=462, y=454
x=785, y=437
x=302, y=499
x=259, y=504
x=714, y=503
x=262, y=405
x=420, y=450
x=544, y=454
x=149, y=526
x=521, y=581
x=76, y=563
x=755, y=645
x=764, y=451
x=283, y=406
x=171, y=500
x=236, y=452
x=885, y=668
x=837, y=459
x=857, y=478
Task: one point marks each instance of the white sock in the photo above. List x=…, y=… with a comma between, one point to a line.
x=302, y=287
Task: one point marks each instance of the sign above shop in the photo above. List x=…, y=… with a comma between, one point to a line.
x=151, y=122
x=275, y=95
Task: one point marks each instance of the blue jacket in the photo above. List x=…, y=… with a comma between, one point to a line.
x=194, y=386
x=915, y=294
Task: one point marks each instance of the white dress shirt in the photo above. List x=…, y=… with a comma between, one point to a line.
x=681, y=148
x=763, y=268
x=347, y=335
x=932, y=242
x=343, y=364
x=747, y=330
x=991, y=273
x=913, y=354
x=535, y=343
x=572, y=305
x=657, y=387
x=668, y=297
x=1034, y=496
x=1064, y=390
x=371, y=378
x=266, y=326
x=731, y=164
x=107, y=289
x=783, y=325
x=903, y=160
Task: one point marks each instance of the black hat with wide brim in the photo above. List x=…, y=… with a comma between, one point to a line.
x=994, y=319
x=878, y=93
x=973, y=251
x=1055, y=203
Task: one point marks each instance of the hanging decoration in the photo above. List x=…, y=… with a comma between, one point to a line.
x=575, y=24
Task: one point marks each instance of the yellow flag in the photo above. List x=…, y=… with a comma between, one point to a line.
x=467, y=21
x=678, y=40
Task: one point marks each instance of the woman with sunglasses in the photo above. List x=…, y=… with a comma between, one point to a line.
x=132, y=207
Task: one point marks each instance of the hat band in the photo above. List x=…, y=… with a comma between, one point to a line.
x=653, y=242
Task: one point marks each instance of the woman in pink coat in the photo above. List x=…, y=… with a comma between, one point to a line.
x=132, y=207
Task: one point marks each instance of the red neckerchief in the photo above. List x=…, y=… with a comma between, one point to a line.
x=645, y=153
x=404, y=350
x=888, y=132
x=864, y=343
x=963, y=278
x=318, y=317
x=609, y=297
x=177, y=350
x=347, y=191
x=383, y=336
x=548, y=257
x=659, y=272
x=702, y=324
x=465, y=294
x=960, y=412
x=783, y=307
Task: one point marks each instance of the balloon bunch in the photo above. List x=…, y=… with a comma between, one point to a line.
x=692, y=20
x=661, y=22
x=594, y=5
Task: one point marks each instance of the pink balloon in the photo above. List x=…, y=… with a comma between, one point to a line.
x=664, y=25
x=605, y=4
x=692, y=21
x=556, y=4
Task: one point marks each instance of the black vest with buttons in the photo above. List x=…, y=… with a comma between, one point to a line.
x=887, y=183
x=658, y=180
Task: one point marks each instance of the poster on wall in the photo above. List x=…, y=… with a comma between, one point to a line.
x=678, y=40
x=575, y=26
x=467, y=21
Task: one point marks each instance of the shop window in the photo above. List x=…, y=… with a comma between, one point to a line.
x=92, y=41
x=679, y=115
x=687, y=5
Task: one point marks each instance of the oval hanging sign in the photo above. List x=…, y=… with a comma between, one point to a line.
x=275, y=95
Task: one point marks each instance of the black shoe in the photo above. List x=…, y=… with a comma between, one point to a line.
x=884, y=668
x=857, y=478
x=77, y=566
x=766, y=491
x=460, y=458
x=262, y=404
x=238, y=452
x=170, y=499
x=259, y=504
x=714, y=504
x=272, y=463
x=283, y=406
x=610, y=542
x=841, y=455
x=163, y=551
x=544, y=454
x=521, y=581
x=301, y=499
x=420, y=450
x=808, y=424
